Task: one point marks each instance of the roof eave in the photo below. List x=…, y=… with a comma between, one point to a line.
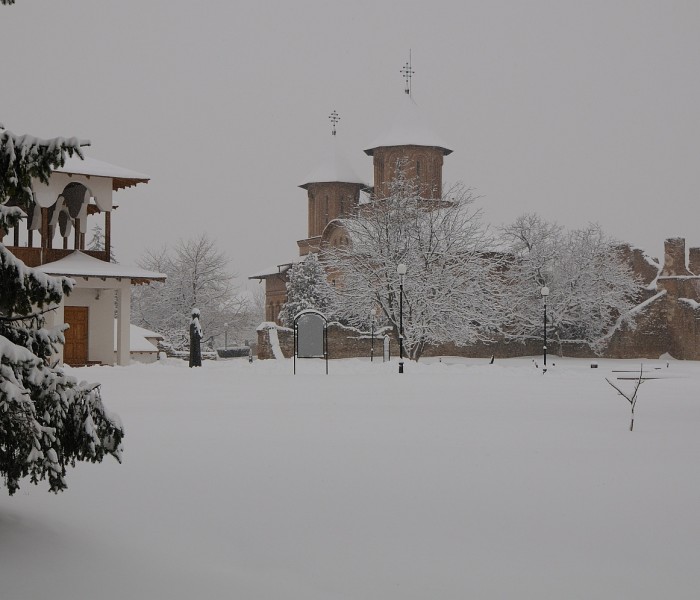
x=305, y=186
x=445, y=151
x=120, y=183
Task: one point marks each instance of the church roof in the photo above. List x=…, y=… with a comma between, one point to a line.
x=79, y=264
x=121, y=177
x=333, y=167
x=409, y=128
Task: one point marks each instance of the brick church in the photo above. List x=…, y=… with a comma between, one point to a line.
x=334, y=190
x=668, y=318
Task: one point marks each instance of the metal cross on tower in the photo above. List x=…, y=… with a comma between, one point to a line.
x=407, y=73
x=334, y=117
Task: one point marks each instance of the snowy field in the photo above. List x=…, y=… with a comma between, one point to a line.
x=455, y=480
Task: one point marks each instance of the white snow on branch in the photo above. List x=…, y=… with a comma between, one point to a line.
x=694, y=304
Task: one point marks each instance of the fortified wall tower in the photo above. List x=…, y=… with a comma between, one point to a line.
x=681, y=282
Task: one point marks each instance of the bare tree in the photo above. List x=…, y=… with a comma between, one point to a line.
x=198, y=277
x=632, y=396
x=451, y=286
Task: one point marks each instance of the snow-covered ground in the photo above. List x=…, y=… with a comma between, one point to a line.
x=455, y=480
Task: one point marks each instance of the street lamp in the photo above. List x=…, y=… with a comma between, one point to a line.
x=225, y=335
x=373, y=314
x=545, y=292
x=401, y=270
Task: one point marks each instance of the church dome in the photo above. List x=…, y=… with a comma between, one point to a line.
x=409, y=128
x=333, y=167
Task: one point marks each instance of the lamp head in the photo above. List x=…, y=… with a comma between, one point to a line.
x=544, y=291
x=401, y=269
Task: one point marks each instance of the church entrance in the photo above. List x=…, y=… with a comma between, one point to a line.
x=75, y=350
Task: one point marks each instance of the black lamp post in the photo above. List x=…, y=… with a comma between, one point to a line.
x=225, y=335
x=545, y=292
x=401, y=270
x=373, y=314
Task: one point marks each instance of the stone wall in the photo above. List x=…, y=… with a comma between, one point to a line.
x=694, y=261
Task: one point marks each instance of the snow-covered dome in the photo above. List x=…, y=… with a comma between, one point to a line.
x=333, y=167
x=409, y=128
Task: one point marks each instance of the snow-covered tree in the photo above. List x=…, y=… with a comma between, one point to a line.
x=592, y=288
x=307, y=287
x=451, y=288
x=24, y=157
x=97, y=242
x=48, y=420
x=198, y=277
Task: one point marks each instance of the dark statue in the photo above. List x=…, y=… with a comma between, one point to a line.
x=195, y=340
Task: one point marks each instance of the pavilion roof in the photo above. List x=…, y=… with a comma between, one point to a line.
x=121, y=177
x=79, y=264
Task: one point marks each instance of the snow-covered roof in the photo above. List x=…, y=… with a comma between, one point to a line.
x=270, y=271
x=409, y=128
x=277, y=269
x=334, y=166
x=121, y=177
x=138, y=339
x=79, y=264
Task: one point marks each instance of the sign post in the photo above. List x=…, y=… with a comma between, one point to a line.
x=310, y=336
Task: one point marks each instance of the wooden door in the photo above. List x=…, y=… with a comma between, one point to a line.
x=75, y=350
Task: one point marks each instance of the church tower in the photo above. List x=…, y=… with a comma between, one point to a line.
x=409, y=144
x=333, y=192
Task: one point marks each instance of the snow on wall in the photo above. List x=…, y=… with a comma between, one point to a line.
x=275, y=343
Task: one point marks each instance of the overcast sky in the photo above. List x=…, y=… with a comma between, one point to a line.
x=581, y=111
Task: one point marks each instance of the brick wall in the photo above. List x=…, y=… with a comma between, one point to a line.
x=668, y=323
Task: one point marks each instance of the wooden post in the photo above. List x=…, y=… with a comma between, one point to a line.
x=123, y=322
x=45, y=242
x=108, y=235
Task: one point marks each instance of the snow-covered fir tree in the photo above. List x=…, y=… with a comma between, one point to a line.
x=591, y=287
x=307, y=287
x=451, y=290
x=48, y=420
x=97, y=242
